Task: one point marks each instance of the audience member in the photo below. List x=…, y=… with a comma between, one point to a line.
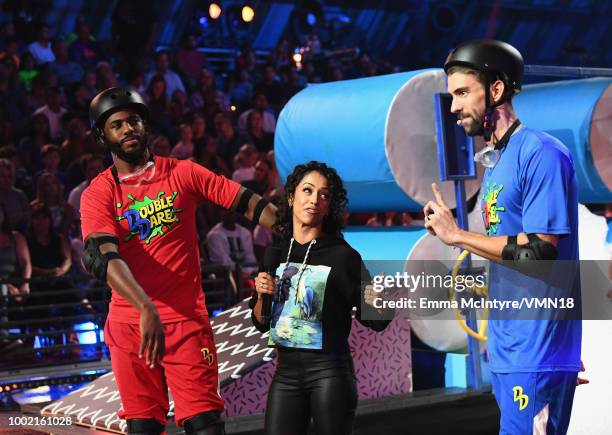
x=84, y=50
x=51, y=160
x=53, y=110
x=92, y=165
x=260, y=182
x=73, y=146
x=15, y=266
x=230, y=244
x=189, y=61
x=271, y=87
x=49, y=192
x=184, y=148
x=67, y=71
x=41, y=48
x=242, y=90
x=206, y=155
x=27, y=71
x=260, y=104
x=160, y=146
x=199, y=127
x=244, y=163
x=49, y=250
x=23, y=177
x=262, y=140
x=14, y=201
x=30, y=146
x=229, y=139
x=207, y=97
x=162, y=67
x=11, y=51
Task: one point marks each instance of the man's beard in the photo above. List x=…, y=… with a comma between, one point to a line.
x=473, y=128
x=135, y=155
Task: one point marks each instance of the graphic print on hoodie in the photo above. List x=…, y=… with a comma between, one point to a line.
x=297, y=311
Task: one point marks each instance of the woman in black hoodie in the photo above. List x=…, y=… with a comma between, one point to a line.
x=318, y=285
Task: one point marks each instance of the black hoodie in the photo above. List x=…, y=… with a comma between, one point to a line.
x=317, y=316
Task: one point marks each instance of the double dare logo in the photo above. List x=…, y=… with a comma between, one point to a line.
x=150, y=217
x=490, y=207
x=520, y=397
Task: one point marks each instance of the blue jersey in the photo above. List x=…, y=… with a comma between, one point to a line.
x=532, y=189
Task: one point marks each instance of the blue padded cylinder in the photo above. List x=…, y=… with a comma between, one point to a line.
x=579, y=113
x=377, y=132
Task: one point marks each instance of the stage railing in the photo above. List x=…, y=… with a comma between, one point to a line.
x=58, y=327
x=58, y=322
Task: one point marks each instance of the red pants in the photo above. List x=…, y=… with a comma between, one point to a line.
x=189, y=368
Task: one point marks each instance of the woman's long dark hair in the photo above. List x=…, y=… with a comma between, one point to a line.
x=40, y=209
x=333, y=222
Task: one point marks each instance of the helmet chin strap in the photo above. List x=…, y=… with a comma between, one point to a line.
x=487, y=126
x=486, y=129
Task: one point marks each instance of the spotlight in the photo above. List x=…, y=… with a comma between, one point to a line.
x=311, y=19
x=247, y=13
x=298, y=56
x=214, y=10
x=239, y=19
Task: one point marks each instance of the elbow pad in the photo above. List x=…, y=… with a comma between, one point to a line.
x=95, y=262
x=243, y=205
x=535, y=249
x=259, y=208
x=520, y=256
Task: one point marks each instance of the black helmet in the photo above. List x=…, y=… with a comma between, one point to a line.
x=492, y=57
x=113, y=99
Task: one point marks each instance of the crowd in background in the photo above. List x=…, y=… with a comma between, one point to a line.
x=222, y=117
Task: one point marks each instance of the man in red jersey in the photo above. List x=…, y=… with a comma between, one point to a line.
x=139, y=228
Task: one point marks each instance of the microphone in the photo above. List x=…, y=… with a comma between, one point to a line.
x=458, y=122
x=271, y=260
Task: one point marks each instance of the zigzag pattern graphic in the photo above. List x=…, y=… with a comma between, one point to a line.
x=238, y=342
x=382, y=364
x=88, y=414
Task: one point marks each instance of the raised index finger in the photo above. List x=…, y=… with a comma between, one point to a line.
x=438, y=195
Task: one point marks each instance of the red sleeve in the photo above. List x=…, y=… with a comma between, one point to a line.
x=215, y=188
x=97, y=214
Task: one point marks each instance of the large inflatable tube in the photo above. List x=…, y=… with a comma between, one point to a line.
x=579, y=113
x=377, y=132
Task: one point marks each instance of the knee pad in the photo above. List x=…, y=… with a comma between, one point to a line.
x=205, y=423
x=144, y=426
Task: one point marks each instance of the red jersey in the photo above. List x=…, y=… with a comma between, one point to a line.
x=153, y=216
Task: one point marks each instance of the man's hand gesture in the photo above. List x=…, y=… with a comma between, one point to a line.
x=439, y=220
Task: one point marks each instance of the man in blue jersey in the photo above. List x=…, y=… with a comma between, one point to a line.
x=530, y=208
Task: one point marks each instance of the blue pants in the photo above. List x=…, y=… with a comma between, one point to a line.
x=534, y=403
